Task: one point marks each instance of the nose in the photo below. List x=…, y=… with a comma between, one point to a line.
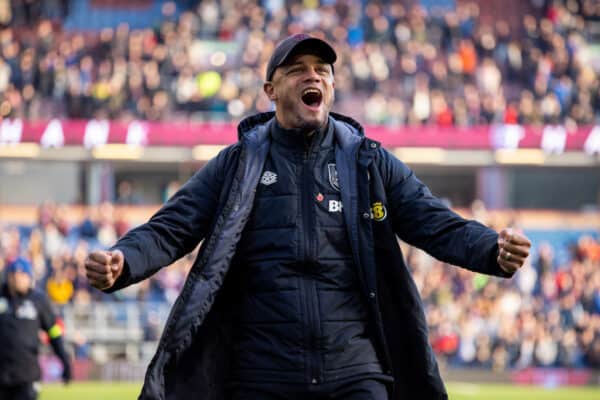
x=312, y=75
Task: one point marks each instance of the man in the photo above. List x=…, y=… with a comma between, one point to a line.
x=300, y=290
x=23, y=313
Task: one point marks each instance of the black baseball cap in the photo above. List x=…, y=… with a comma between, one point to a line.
x=300, y=43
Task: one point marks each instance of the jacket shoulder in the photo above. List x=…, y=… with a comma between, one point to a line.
x=371, y=145
x=392, y=170
x=226, y=157
x=230, y=152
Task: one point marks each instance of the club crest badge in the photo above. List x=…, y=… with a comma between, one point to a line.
x=333, y=177
x=378, y=211
x=268, y=178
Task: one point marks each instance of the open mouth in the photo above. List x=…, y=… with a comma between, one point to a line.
x=312, y=97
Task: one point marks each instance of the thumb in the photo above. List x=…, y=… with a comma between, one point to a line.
x=116, y=259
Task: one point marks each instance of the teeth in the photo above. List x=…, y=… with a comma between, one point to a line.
x=310, y=90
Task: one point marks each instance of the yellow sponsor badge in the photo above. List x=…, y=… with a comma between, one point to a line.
x=379, y=211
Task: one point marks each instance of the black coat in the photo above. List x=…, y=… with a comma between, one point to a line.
x=382, y=198
x=21, y=318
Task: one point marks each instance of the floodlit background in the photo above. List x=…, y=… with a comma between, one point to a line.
x=107, y=107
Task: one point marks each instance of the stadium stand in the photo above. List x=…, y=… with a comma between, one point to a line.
x=398, y=65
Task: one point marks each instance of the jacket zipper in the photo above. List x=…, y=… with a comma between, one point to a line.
x=309, y=285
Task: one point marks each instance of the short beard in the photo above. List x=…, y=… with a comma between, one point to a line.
x=312, y=126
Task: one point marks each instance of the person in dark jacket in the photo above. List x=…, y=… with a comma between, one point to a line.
x=300, y=289
x=23, y=313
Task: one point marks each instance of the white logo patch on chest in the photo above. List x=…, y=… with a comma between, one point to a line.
x=27, y=310
x=335, y=206
x=268, y=178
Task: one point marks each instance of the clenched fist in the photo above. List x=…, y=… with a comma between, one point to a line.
x=104, y=267
x=513, y=249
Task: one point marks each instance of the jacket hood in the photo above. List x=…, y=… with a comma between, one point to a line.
x=247, y=124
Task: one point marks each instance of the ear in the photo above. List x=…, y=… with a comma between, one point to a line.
x=269, y=90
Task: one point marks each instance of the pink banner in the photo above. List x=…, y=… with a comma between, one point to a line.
x=552, y=377
x=57, y=133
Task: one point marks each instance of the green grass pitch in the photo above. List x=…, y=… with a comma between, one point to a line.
x=457, y=391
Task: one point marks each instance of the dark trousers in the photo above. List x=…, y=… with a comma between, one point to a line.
x=25, y=391
x=366, y=389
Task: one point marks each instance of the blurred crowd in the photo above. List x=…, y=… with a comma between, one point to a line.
x=397, y=65
x=548, y=315
x=57, y=247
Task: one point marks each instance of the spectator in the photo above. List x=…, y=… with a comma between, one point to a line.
x=126, y=194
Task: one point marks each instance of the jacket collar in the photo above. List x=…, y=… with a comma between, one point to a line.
x=254, y=130
x=249, y=124
x=297, y=140
x=348, y=132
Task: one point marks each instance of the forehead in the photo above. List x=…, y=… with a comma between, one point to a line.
x=18, y=273
x=18, y=277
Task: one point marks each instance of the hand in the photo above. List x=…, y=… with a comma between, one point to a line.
x=104, y=267
x=513, y=249
x=66, y=375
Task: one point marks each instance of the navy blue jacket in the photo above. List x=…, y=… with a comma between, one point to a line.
x=381, y=198
x=302, y=317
